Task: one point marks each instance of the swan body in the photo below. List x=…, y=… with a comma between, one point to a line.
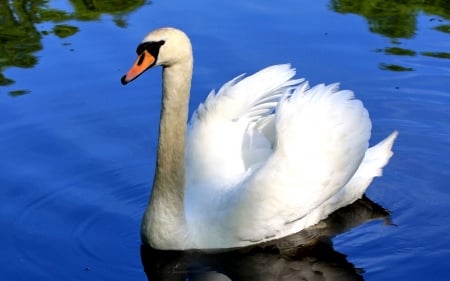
x=264, y=157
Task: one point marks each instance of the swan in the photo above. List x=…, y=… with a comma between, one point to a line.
x=263, y=158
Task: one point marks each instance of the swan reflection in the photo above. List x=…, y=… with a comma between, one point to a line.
x=307, y=255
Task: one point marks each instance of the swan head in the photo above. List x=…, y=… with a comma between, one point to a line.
x=165, y=47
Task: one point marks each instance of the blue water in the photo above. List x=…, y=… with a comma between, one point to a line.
x=78, y=149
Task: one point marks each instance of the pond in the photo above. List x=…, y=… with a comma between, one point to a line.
x=78, y=149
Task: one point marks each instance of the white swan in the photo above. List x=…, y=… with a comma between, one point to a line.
x=263, y=158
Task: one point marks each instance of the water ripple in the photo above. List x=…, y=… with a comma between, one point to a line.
x=87, y=237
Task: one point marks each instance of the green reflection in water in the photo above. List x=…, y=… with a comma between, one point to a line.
x=20, y=37
x=17, y=93
x=444, y=28
x=394, y=67
x=397, y=20
x=63, y=31
x=399, y=51
x=441, y=55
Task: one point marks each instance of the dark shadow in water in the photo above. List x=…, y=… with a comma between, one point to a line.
x=307, y=255
x=397, y=19
x=20, y=36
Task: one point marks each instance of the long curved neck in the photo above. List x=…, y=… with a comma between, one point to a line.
x=164, y=220
x=169, y=176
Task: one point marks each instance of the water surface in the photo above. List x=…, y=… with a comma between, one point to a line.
x=78, y=148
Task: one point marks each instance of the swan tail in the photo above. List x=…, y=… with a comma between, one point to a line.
x=375, y=158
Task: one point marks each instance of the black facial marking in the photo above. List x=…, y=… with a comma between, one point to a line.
x=141, y=59
x=151, y=47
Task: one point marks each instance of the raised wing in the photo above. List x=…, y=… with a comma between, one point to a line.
x=222, y=140
x=321, y=137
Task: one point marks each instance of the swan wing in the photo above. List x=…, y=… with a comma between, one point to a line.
x=322, y=136
x=224, y=135
x=267, y=156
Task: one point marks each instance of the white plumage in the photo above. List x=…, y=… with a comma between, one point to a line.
x=265, y=157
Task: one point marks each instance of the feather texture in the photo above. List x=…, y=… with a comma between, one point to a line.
x=263, y=158
x=269, y=156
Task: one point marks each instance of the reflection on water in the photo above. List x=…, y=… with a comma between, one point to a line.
x=20, y=36
x=397, y=19
x=281, y=260
x=394, y=18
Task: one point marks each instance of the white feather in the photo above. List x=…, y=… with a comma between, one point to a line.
x=268, y=156
x=264, y=157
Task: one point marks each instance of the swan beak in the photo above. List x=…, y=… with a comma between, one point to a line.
x=143, y=62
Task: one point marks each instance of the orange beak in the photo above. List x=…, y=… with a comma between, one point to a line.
x=144, y=61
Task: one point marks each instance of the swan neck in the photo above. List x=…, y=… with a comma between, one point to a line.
x=172, y=130
x=164, y=220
